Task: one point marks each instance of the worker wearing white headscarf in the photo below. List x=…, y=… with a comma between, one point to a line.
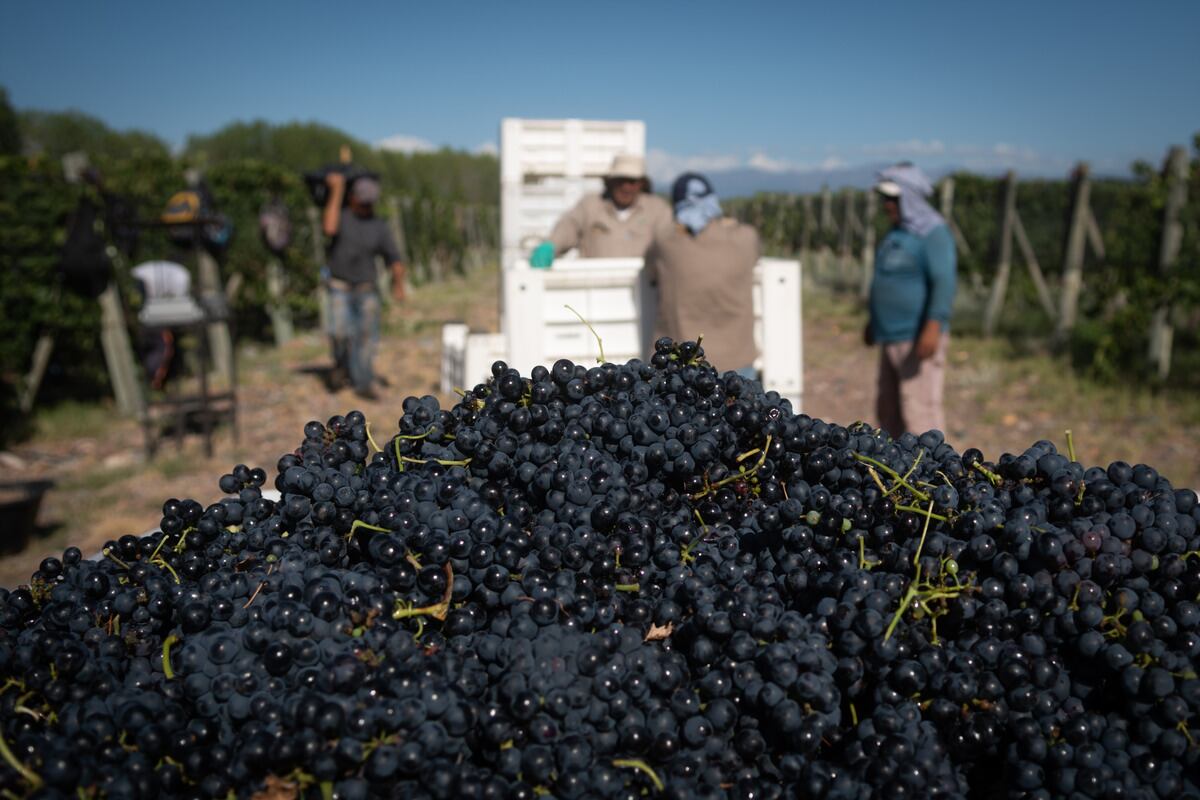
x=913, y=189
x=912, y=293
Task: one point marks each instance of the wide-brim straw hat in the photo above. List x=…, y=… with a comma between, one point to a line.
x=627, y=166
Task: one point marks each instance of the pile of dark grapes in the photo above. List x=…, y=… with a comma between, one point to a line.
x=623, y=581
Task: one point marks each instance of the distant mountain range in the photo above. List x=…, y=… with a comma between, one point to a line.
x=747, y=181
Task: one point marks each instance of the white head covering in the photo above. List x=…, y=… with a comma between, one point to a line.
x=916, y=215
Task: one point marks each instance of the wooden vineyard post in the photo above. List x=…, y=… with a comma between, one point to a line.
x=118, y=354
x=418, y=267
x=462, y=218
x=1072, y=280
x=461, y=230
x=212, y=293
x=33, y=381
x=849, y=225
x=807, y=224
x=396, y=223
x=119, y=357
x=826, y=208
x=1035, y=269
x=806, y=231
x=826, y=225
x=428, y=213
x=318, y=245
x=946, y=204
x=470, y=228
x=786, y=243
x=489, y=232
x=868, y=246
x=1004, y=263
x=1161, y=330
x=277, y=308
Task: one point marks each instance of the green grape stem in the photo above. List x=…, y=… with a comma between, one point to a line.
x=895, y=476
x=31, y=777
x=641, y=766
x=926, y=513
x=742, y=473
x=921, y=544
x=371, y=439
x=166, y=656
x=358, y=523
x=992, y=477
x=438, y=610
x=599, y=342
x=108, y=554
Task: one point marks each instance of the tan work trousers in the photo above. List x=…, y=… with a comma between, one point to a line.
x=910, y=388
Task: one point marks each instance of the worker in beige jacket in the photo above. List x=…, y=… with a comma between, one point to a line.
x=616, y=224
x=704, y=265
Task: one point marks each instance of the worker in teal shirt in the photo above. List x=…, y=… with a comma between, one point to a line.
x=912, y=293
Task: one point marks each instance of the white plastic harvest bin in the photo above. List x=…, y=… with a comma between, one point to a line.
x=546, y=166
x=615, y=297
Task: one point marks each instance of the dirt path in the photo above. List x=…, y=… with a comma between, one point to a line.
x=999, y=401
x=995, y=401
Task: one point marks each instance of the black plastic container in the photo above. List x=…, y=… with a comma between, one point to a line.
x=19, y=503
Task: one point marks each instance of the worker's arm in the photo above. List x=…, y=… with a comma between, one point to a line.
x=568, y=231
x=391, y=256
x=331, y=220
x=942, y=263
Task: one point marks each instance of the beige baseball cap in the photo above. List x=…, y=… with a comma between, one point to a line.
x=627, y=166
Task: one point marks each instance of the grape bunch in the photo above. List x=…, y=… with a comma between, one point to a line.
x=622, y=581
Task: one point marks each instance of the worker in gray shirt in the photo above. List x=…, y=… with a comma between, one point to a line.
x=356, y=239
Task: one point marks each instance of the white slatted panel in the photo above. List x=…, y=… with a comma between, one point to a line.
x=546, y=166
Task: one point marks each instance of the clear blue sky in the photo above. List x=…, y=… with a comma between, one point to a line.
x=1031, y=85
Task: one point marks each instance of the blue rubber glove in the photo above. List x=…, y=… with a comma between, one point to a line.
x=542, y=256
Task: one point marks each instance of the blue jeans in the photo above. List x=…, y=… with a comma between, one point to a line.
x=354, y=319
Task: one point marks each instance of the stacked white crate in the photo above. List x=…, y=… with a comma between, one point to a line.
x=618, y=301
x=467, y=357
x=545, y=167
x=611, y=294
